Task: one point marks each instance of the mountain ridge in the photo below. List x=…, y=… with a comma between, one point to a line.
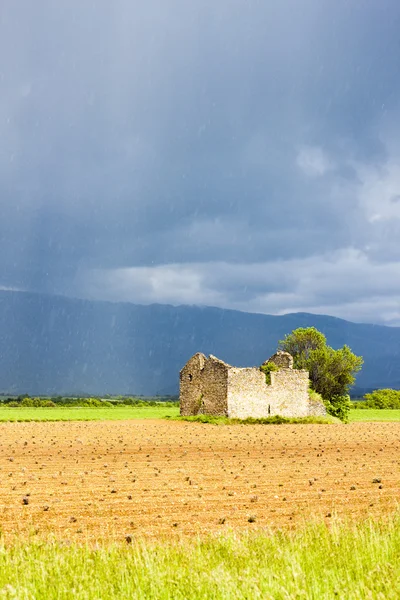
x=56, y=344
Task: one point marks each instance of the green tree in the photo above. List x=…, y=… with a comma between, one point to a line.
x=301, y=343
x=332, y=372
x=386, y=398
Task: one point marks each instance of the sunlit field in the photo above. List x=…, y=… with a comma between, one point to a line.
x=121, y=413
x=371, y=415
x=154, y=508
x=102, y=480
x=75, y=413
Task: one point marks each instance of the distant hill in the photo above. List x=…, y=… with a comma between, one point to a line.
x=58, y=345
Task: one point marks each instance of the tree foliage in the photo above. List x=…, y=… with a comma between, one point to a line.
x=339, y=406
x=267, y=369
x=385, y=398
x=332, y=372
x=301, y=343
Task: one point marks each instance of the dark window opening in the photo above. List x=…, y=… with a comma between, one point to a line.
x=269, y=409
x=190, y=377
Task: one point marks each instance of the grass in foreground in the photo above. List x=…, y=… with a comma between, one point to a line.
x=371, y=414
x=274, y=420
x=352, y=562
x=86, y=414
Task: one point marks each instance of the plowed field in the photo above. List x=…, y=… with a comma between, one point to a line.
x=106, y=480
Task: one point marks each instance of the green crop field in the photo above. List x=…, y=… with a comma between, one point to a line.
x=151, y=412
x=343, y=561
x=86, y=414
x=371, y=414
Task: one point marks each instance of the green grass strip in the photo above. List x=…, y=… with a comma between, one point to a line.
x=274, y=420
x=66, y=413
x=374, y=414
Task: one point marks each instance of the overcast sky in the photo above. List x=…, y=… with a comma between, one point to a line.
x=234, y=153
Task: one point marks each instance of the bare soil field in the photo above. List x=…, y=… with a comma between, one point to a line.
x=103, y=481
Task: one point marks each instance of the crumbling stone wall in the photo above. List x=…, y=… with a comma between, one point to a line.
x=190, y=385
x=210, y=386
x=289, y=390
x=317, y=409
x=284, y=360
x=203, y=386
x=250, y=396
x=247, y=393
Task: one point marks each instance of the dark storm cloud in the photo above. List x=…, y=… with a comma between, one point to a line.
x=146, y=140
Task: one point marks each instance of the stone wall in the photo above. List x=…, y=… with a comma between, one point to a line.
x=317, y=409
x=203, y=386
x=284, y=360
x=247, y=393
x=250, y=396
x=289, y=393
x=210, y=386
x=190, y=385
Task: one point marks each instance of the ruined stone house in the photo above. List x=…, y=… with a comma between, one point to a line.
x=211, y=386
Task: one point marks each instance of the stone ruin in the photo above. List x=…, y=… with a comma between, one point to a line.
x=212, y=387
